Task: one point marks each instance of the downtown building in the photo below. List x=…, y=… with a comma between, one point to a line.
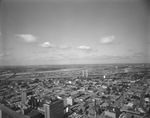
x=6, y=112
x=85, y=73
x=23, y=95
x=54, y=109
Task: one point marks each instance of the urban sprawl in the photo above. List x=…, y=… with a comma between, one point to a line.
x=85, y=91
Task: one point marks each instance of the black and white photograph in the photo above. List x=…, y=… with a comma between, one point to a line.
x=74, y=58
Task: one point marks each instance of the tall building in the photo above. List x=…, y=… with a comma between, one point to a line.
x=84, y=73
x=54, y=109
x=0, y=113
x=47, y=110
x=33, y=102
x=23, y=96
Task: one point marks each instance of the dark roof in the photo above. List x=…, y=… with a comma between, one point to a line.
x=11, y=112
x=34, y=113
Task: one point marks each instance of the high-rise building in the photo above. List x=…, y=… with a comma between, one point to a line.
x=33, y=102
x=84, y=73
x=54, y=109
x=0, y=113
x=47, y=110
x=23, y=96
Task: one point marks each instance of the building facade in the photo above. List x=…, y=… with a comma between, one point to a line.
x=54, y=110
x=23, y=96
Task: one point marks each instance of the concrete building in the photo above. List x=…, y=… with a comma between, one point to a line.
x=69, y=101
x=0, y=113
x=113, y=112
x=47, y=110
x=6, y=112
x=23, y=95
x=84, y=73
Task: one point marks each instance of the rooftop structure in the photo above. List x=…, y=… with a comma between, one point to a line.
x=6, y=112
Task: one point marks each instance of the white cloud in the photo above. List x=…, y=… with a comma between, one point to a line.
x=84, y=47
x=106, y=40
x=64, y=47
x=47, y=45
x=2, y=55
x=27, y=37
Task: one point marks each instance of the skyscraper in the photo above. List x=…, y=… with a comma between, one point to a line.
x=84, y=73
x=54, y=109
x=23, y=96
x=47, y=110
x=0, y=113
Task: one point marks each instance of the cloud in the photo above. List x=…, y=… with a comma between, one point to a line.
x=47, y=45
x=138, y=54
x=2, y=55
x=110, y=57
x=27, y=37
x=64, y=47
x=107, y=40
x=84, y=47
x=72, y=55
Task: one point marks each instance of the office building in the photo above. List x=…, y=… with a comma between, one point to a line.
x=84, y=73
x=47, y=110
x=0, y=113
x=23, y=96
x=54, y=109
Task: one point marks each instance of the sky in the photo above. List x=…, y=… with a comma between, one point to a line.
x=34, y=32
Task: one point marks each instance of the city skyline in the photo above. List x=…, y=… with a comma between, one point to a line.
x=74, y=32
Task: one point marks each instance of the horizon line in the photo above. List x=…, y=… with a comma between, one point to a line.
x=72, y=64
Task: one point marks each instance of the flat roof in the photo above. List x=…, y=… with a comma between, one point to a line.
x=11, y=112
